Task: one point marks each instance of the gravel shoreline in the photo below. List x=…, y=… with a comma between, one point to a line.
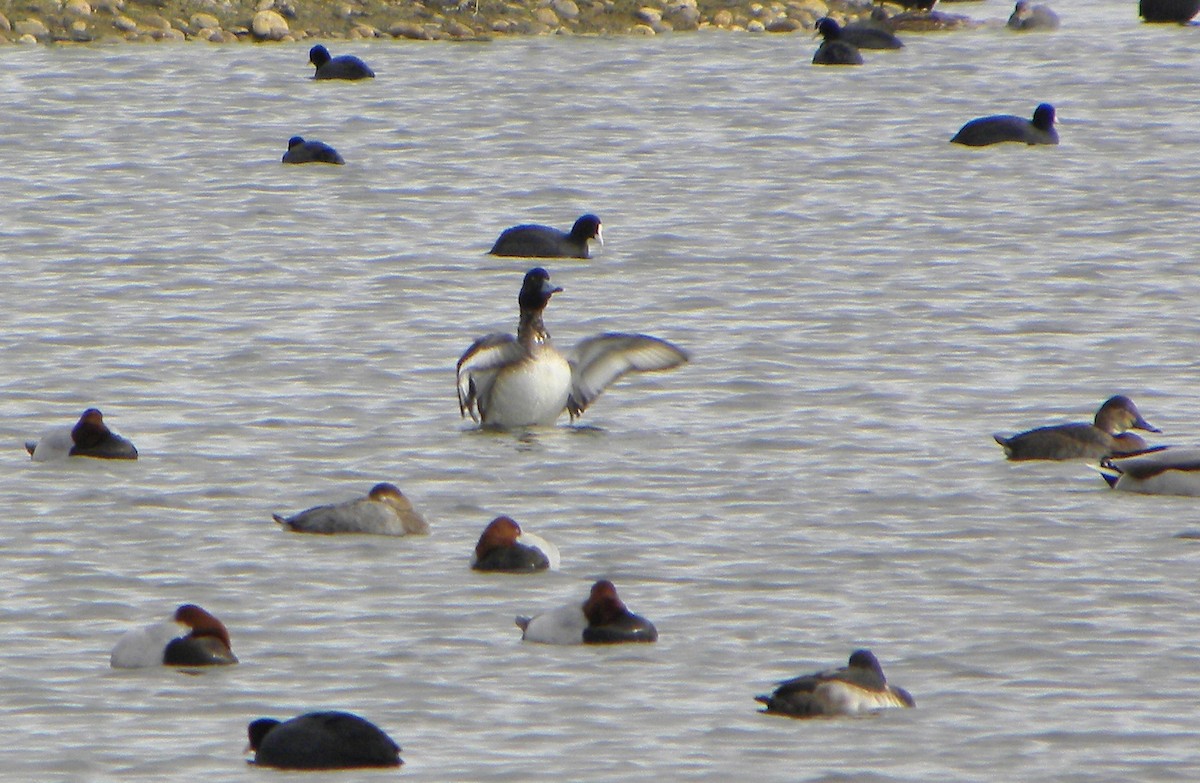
x=229, y=21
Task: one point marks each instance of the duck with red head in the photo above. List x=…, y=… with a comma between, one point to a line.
x=90, y=437
x=602, y=619
x=322, y=740
x=193, y=637
x=855, y=689
x=504, y=546
x=385, y=511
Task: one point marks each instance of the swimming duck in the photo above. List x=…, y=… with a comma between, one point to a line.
x=192, y=637
x=90, y=437
x=506, y=382
x=1159, y=472
x=301, y=151
x=505, y=547
x=835, y=50
x=1026, y=16
x=345, y=66
x=1105, y=437
x=601, y=619
x=534, y=241
x=1180, y=11
x=872, y=33
x=385, y=511
x=855, y=689
x=1000, y=128
x=322, y=740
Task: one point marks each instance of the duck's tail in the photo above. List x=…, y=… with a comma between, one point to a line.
x=1107, y=471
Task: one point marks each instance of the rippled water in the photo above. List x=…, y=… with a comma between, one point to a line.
x=865, y=305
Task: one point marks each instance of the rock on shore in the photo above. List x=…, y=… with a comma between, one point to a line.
x=227, y=21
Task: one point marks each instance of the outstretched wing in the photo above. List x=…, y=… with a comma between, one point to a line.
x=598, y=361
x=477, y=369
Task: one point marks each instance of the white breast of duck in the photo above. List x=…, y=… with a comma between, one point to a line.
x=530, y=392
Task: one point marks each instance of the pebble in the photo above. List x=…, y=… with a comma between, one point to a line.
x=567, y=9
x=269, y=26
x=650, y=16
x=204, y=22
x=782, y=25
x=409, y=30
x=33, y=27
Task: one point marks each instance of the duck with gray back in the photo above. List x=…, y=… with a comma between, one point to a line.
x=1106, y=436
x=835, y=49
x=345, y=66
x=536, y=241
x=855, y=689
x=506, y=382
x=1000, y=128
x=385, y=511
x=301, y=151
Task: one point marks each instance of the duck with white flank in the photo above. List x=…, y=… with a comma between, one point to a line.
x=855, y=689
x=506, y=382
x=1162, y=472
x=602, y=619
x=192, y=637
x=1105, y=437
x=504, y=546
x=90, y=437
